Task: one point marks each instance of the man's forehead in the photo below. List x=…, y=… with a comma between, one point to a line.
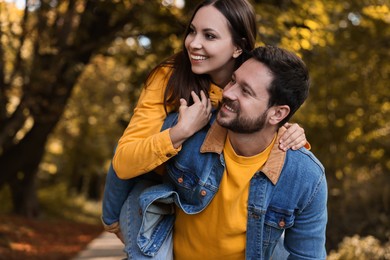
x=253, y=71
x=250, y=62
x=251, y=65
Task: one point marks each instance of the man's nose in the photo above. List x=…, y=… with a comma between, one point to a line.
x=230, y=91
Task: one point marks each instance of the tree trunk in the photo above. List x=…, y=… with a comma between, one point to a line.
x=24, y=195
x=20, y=166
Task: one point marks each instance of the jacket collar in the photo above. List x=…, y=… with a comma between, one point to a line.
x=215, y=142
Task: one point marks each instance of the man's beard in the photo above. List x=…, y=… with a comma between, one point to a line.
x=241, y=124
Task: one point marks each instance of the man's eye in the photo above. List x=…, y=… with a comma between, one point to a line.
x=246, y=91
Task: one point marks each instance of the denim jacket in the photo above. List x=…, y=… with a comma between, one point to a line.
x=288, y=194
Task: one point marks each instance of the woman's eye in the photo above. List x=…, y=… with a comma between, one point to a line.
x=210, y=36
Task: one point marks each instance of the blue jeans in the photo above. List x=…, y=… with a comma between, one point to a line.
x=131, y=219
x=279, y=252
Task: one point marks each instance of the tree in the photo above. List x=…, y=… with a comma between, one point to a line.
x=43, y=52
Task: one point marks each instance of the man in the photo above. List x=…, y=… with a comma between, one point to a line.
x=263, y=191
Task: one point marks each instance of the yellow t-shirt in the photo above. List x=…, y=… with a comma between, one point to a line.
x=219, y=231
x=142, y=146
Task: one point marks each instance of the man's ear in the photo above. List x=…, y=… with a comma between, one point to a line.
x=278, y=113
x=237, y=52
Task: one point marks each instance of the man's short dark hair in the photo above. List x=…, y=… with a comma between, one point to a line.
x=290, y=85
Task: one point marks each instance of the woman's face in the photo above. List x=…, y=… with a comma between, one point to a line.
x=210, y=46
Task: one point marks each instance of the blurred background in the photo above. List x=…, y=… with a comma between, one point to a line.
x=71, y=72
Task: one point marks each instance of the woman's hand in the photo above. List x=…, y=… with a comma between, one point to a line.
x=191, y=118
x=293, y=138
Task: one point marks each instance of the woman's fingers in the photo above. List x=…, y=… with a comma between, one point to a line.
x=203, y=101
x=294, y=137
x=195, y=97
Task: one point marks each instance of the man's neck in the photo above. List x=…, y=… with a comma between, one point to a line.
x=251, y=144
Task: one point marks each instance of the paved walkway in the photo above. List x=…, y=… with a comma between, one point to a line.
x=105, y=247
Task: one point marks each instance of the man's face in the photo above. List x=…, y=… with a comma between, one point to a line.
x=245, y=99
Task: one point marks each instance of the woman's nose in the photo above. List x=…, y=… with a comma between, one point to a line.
x=195, y=43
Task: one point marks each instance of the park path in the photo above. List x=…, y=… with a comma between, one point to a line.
x=105, y=247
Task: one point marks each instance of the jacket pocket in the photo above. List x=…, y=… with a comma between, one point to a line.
x=185, y=182
x=275, y=222
x=183, y=177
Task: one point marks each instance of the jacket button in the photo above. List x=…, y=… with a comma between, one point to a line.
x=140, y=211
x=282, y=223
x=168, y=155
x=180, y=180
x=203, y=193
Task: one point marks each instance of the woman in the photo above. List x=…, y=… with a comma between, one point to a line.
x=214, y=45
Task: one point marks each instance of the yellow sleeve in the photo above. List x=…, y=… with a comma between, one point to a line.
x=142, y=146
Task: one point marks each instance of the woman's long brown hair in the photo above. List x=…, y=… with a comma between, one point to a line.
x=242, y=24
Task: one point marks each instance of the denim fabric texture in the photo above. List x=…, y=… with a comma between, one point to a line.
x=294, y=204
x=130, y=223
x=115, y=193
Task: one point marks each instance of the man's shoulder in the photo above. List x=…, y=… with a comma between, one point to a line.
x=309, y=154
x=302, y=161
x=302, y=173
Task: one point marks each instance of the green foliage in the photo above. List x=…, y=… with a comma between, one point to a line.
x=57, y=203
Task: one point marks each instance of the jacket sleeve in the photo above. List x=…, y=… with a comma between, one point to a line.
x=117, y=190
x=142, y=146
x=306, y=239
x=115, y=194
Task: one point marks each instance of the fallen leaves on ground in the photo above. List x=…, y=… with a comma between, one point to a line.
x=33, y=239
